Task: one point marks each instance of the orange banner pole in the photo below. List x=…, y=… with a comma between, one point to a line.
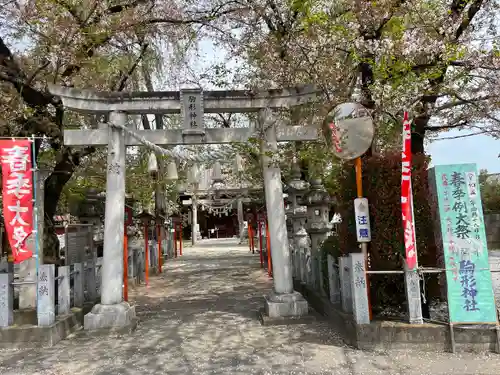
x=364, y=246
x=269, y=260
x=146, y=255
x=359, y=178
x=125, y=266
x=158, y=236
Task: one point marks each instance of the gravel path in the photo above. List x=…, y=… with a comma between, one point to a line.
x=199, y=317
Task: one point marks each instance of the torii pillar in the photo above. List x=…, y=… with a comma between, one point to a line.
x=283, y=302
x=113, y=311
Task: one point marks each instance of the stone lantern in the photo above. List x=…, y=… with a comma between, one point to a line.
x=301, y=246
x=194, y=181
x=318, y=202
x=217, y=179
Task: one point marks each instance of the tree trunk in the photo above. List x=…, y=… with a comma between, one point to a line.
x=418, y=134
x=54, y=184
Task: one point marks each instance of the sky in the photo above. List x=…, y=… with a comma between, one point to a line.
x=480, y=149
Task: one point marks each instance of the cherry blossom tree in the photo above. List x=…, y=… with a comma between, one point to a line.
x=438, y=59
x=88, y=44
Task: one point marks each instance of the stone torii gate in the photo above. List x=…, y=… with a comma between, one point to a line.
x=192, y=104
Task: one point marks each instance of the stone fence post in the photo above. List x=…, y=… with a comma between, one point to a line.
x=137, y=265
x=63, y=290
x=289, y=232
x=78, y=285
x=141, y=265
x=6, y=299
x=333, y=278
x=131, y=263
x=153, y=257
x=46, y=312
x=359, y=288
x=345, y=286
x=90, y=280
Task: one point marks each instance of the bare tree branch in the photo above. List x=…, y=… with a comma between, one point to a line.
x=460, y=102
x=123, y=80
x=11, y=72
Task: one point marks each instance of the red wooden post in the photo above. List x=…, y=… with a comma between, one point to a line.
x=158, y=236
x=180, y=239
x=146, y=254
x=175, y=240
x=261, y=255
x=125, y=266
x=249, y=236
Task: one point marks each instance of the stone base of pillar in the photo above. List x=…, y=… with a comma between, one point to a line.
x=282, y=309
x=110, y=318
x=286, y=305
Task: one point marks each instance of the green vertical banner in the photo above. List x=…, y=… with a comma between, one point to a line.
x=468, y=277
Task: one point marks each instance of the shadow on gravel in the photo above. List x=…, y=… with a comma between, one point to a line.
x=198, y=317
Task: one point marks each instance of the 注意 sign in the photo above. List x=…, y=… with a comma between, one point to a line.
x=17, y=193
x=470, y=291
x=361, y=211
x=407, y=197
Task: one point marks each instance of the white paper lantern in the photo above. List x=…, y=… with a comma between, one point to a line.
x=172, y=172
x=152, y=163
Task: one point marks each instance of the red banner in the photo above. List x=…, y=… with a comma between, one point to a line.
x=407, y=197
x=335, y=137
x=17, y=194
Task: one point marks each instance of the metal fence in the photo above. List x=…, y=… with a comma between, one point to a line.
x=57, y=289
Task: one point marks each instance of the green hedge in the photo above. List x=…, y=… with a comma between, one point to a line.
x=382, y=187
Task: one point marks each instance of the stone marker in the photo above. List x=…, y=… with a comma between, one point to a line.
x=6, y=299
x=90, y=276
x=333, y=278
x=360, y=307
x=78, y=285
x=27, y=272
x=413, y=296
x=63, y=290
x=131, y=263
x=46, y=311
x=346, y=295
